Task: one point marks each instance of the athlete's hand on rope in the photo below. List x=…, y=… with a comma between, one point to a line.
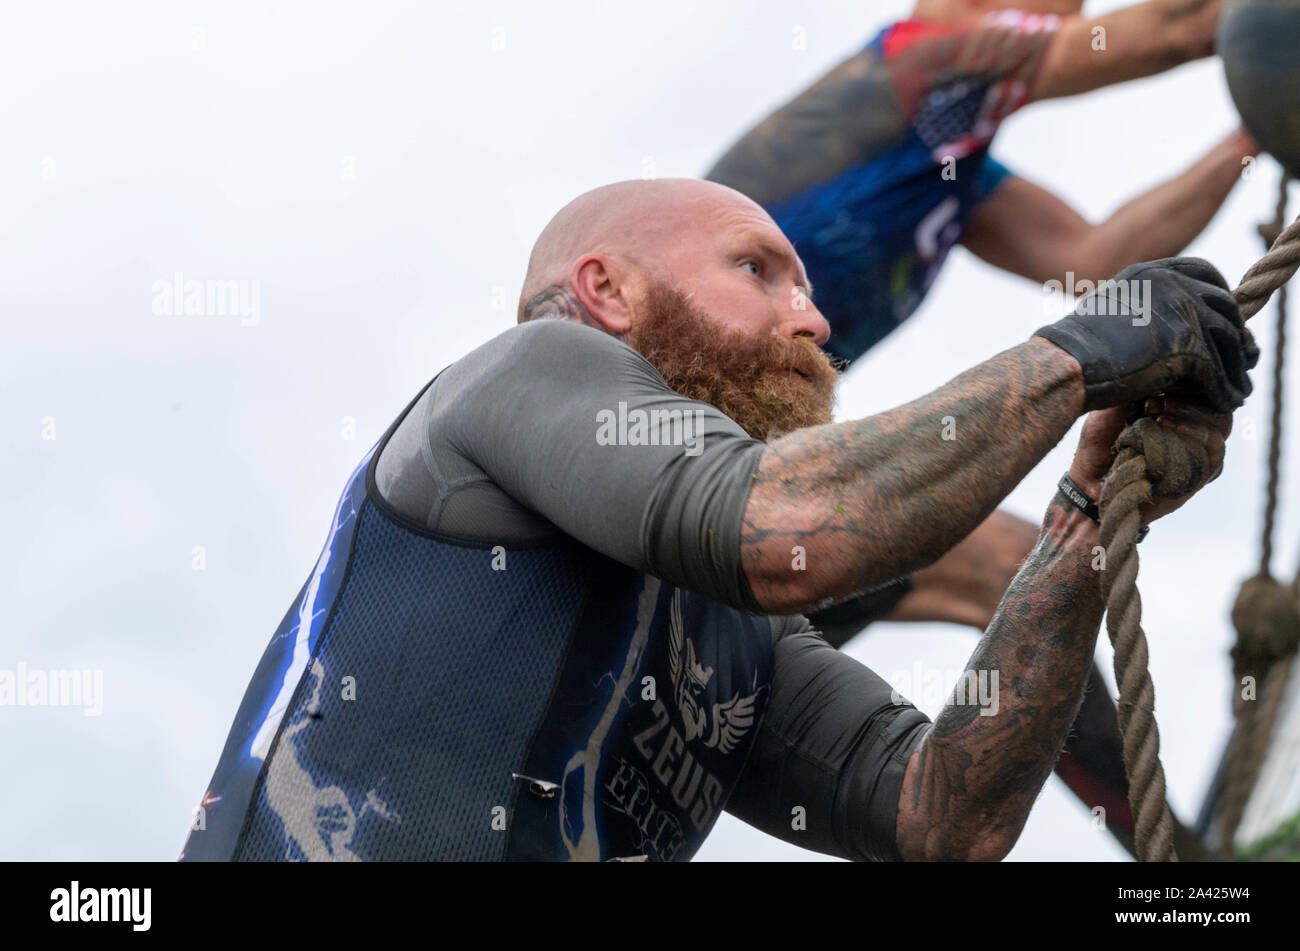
x=1169, y=326
x=1096, y=451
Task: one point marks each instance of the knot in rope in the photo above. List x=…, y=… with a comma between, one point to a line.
x=1175, y=464
x=1267, y=619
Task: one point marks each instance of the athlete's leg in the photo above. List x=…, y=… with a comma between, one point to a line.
x=966, y=585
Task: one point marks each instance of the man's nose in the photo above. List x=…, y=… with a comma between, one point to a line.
x=805, y=320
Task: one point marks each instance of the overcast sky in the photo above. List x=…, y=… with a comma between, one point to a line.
x=381, y=170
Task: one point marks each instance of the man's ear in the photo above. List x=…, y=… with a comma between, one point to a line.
x=603, y=286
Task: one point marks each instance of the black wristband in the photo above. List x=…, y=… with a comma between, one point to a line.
x=1080, y=500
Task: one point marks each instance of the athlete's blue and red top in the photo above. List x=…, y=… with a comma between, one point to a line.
x=875, y=170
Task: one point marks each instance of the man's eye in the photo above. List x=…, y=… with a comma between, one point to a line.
x=753, y=264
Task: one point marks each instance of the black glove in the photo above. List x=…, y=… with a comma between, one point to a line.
x=1188, y=340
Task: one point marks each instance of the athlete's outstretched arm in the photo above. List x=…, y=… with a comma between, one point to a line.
x=837, y=509
x=1025, y=229
x=865, y=501
x=1090, y=52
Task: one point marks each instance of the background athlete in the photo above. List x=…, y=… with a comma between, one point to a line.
x=534, y=633
x=880, y=167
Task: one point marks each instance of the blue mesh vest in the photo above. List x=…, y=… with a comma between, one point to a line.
x=430, y=697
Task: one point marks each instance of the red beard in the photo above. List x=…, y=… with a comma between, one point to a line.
x=747, y=378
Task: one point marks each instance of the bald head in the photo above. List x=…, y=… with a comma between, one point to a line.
x=701, y=282
x=633, y=220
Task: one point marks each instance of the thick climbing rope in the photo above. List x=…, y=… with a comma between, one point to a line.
x=1266, y=615
x=1153, y=462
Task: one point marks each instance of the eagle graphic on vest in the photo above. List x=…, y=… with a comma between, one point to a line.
x=731, y=720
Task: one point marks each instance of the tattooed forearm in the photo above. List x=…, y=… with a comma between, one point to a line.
x=871, y=500
x=555, y=302
x=971, y=783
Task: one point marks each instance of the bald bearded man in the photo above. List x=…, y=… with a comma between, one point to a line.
x=557, y=615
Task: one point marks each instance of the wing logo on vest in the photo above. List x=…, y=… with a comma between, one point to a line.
x=673, y=785
x=731, y=720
